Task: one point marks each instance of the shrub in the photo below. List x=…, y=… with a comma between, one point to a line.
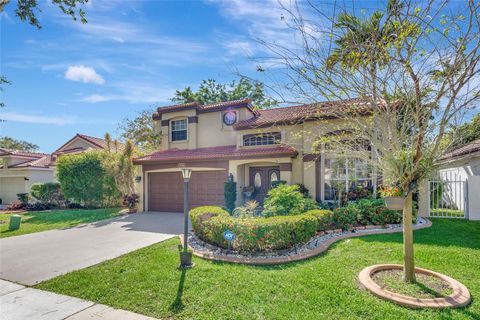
x=287, y=200
x=277, y=183
x=303, y=190
x=200, y=214
x=83, y=179
x=23, y=197
x=257, y=234
x=131, y=200
x=249, y=210
x=48, y=193
x=345, y=218
x=16, y=205
x=74, y=205
x=230, y=193
x=37, y=206
x=373, y=211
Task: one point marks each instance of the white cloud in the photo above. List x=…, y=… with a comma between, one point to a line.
x=27, y=118
x=83, y=74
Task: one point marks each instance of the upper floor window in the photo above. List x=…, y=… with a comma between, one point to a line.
x=178, y=129
x=262, y=139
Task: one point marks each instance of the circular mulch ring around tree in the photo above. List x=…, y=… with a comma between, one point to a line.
x=459, y=297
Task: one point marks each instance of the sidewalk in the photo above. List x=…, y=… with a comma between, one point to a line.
x=18, y=303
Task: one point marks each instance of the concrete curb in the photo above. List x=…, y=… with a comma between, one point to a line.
x=302, y=256
x=459, y=298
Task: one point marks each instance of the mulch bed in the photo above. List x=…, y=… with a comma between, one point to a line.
x=426, y=286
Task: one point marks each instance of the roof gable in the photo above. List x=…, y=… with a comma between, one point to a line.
x=95, y=143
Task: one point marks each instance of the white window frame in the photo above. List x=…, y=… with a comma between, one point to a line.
x=331, y=156
x=261, y=137
x=171, y=129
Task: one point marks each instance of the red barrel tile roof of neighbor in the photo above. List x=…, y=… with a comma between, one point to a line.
x=25, y=154
x=43, y=162
x=464, y=150
x=218, y=153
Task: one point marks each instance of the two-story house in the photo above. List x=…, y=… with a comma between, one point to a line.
x=256, y=147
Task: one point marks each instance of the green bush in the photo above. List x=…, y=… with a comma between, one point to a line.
x=201, y=214
x=230, y=193
x=48, y=193
x=22, y=197
x=373, y=211
x=345, y=218
x=257, y=234
x=277, y=183
x=83, y=179
x=287, y=200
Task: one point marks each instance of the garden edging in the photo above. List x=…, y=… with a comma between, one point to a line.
x=368, y=230
x=460, y=296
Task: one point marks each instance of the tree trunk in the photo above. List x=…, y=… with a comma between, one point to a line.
x=408, y=262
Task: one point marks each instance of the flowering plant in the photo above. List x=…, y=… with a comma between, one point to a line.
x=391, y=191
x=131, y=200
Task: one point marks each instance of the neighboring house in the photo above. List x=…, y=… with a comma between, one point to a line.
x=20, y=170
x=256, y=147
x=461, y=162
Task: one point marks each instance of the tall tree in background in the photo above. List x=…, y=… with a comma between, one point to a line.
x=210, y=91
x=141, y=129
x=415, y=66
x=464, y=134
x=13, y=144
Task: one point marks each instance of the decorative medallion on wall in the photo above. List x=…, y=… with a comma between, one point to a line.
x=229, y=118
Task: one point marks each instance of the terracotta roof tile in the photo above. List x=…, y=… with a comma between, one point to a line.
x=43, y=162
x=25, y=154
x=301, y=113
x=99, y=142
x=218, y=153
x=218, y=106
x=464, y=150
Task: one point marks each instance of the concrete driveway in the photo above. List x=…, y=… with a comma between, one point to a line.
x=36, y=257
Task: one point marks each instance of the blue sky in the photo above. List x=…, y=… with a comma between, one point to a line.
x=70, y=77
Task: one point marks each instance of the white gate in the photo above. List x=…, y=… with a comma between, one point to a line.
x=447, y=198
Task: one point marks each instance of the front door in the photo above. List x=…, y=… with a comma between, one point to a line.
x=261, y=179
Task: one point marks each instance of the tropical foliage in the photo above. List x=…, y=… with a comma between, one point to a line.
x=287, y=200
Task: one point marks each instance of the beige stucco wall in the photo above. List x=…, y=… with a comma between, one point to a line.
x=13, y=181
x=212, y=132
x=78, y=143
x=209, y=131
x=9, y=187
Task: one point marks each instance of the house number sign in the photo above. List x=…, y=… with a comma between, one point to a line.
x=229, y=236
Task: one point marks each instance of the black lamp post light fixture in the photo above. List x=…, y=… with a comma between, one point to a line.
x=185, y=254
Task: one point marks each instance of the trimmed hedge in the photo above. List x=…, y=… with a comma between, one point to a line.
x=258, y=234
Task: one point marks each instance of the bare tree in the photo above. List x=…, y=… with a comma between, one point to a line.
x=412, y=69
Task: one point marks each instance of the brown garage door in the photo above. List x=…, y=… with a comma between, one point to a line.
x=165, y=190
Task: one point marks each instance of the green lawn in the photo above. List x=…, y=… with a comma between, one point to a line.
x=147, y=281
x=36, y=221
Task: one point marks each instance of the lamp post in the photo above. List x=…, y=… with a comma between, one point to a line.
x=185, y=256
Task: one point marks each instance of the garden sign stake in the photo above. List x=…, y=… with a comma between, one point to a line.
x=229, y=236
